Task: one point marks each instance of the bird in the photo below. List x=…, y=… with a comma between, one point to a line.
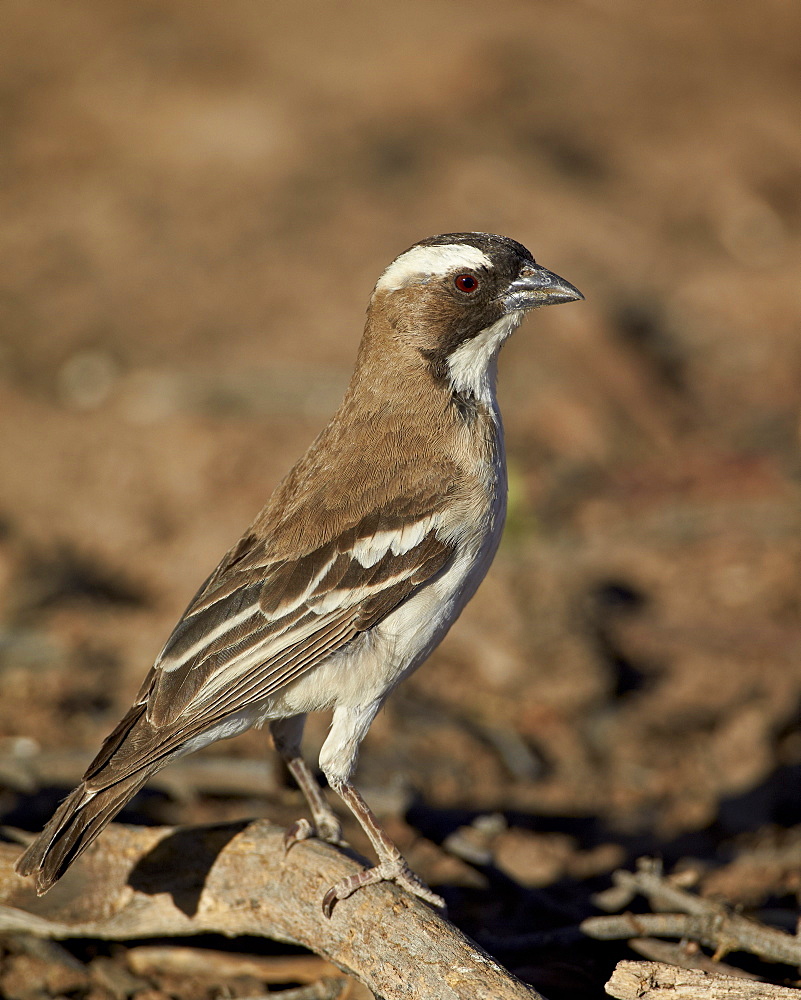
x=355, y=569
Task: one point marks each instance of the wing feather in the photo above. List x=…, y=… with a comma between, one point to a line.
x=259, y=623
x=258, y=626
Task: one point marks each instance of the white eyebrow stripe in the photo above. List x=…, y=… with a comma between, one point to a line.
x=425, y=262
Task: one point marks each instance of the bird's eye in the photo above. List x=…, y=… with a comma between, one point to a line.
x=466, y=282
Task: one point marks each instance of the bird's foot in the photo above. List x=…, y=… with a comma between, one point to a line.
x=325, y=828
x=394, y=870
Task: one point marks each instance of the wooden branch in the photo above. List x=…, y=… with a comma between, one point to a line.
x=320, y=979
x=235, y=879
x=698, y=919
x=654, y=981
x=686, y=954
x=147, y=960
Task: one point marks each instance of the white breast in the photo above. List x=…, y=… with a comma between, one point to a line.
x=372, y=666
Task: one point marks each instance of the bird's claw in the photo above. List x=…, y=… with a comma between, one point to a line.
x=396, y=871
x=328, y=830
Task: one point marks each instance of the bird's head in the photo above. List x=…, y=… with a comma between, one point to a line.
x=455, y=298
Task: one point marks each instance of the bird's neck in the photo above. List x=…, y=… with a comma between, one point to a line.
x=402, y=369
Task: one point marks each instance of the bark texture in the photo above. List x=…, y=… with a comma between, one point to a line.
x=235, y=879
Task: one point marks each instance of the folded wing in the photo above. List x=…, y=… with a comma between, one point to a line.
x=257, y=625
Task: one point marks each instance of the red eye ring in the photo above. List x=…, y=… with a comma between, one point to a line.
x=466, y=283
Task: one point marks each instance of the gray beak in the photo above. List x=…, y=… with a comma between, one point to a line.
x=536, y=287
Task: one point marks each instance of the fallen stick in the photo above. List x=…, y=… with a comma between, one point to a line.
x=235, y=879
x=654, y=981
x=145, y=960
x=686, y=954
x=698, y=919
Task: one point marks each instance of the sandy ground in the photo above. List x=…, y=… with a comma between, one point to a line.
x=196, y=199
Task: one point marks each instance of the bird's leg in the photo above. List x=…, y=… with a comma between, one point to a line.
x=391, y=867
x=338, y=761
x=326, y=825
x=287, y=735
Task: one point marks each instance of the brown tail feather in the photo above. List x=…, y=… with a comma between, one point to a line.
x=129, y=755
x=79, y=819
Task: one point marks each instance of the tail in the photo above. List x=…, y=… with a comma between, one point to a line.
x=110, y=781
x=79, y=819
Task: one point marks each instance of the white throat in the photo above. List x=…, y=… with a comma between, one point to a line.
x=473, y=365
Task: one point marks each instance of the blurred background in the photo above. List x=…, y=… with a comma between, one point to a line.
x=196, y=199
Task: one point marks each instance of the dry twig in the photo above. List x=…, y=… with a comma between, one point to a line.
x=317, y=976
x=149, y=959
x=652, y=981
x=698, y=919
x=687, y=955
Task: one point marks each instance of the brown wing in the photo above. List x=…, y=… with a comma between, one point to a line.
x=256, y=625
